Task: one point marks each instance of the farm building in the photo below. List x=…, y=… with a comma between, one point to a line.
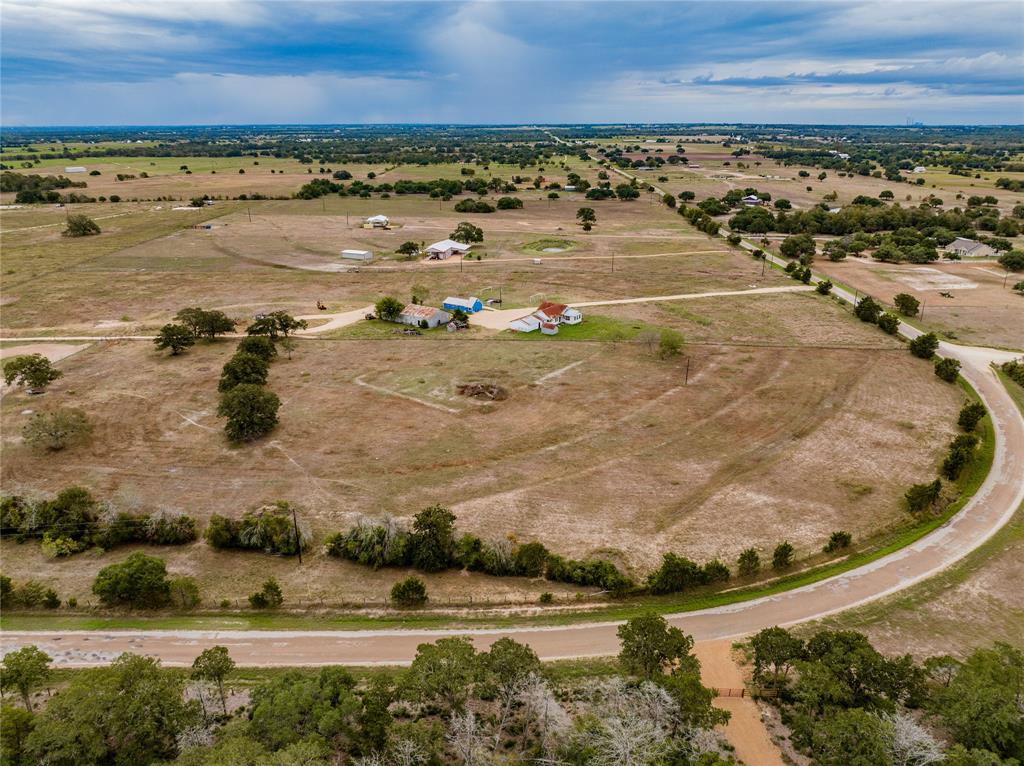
x=525, y=324
x=74, y=169
x=549, y=328
x=445, y=249
x=469, y=305
x=920, y=169
x=559, y=313
x=377, y=222
x=357, y=255
x=969, y=248
x=415, y=315
x=752, y=200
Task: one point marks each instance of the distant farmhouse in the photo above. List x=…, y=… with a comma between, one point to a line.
x=968, y=248
x=547, y=318
x=446, y=248
x=468, y=305
x=74, y=169
x=752, y=200
x=377, y=222
x=423, y=316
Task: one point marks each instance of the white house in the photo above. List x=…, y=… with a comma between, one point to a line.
x=378, y=222
x=414, y=314
x=357, y=255
x=558, y=313
x=920, y=169
x=445, y=249
x=968, y=248
x=752, y=200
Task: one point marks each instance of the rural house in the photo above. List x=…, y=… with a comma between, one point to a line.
x=969, y=248
x=377, y=222
x=752, y=200
x=559, y=313
x=469, y=305
x=414, y=314
x=446, y=248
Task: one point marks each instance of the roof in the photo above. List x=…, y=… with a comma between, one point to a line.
x=465, y=302
x=378, y=219
x=549, y=326
x=962, y=243
x=552, y=309
x=449, y=244
x=752, y=197
x=420, y=312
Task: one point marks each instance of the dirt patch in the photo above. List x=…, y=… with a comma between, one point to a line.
x=52, y=351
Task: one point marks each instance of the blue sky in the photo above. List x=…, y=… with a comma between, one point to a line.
x=109, y=62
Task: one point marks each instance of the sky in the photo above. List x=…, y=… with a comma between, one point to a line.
x=184, y=62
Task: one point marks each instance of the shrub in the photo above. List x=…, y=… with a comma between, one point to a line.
x=749, y=563
x=258, y=345
x=268, y=597
x=961, y=450
x=184, y=592
x=50, y=599
x=1014, y=369
x=140, y=581
x=530, y=559
x=409, y=592
x=867, y=310
x=374, y=545
x=924, y=346
x=1013, y=260
x=970, y=415
x=251, y=412
x=675, y=574
x=824, y=287
x=947, y=369
x=670, y=343
x=29, y=594
x=546, y=598
x=270, y=528
x=388, y=308
x=922, y=496
x=906, y=304
x=509, y=203
x=889, y=323
x=243, y=368
x=473, y=206
x=715, y=571
x=591, y=573
x=837, y=541
x=56, y=430
x=782, y=556
x=79, y=225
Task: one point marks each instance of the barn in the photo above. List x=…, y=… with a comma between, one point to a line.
x=469, y=305
x=357, y=255
x=446, y=248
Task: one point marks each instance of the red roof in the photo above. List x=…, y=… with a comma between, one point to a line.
x=552, y=309
x=549, y=326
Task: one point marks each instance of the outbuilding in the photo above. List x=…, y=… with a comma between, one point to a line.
x=469, y=305
x=74, y=169
x=378, y=222
x=446, y=248
x=527, y=323
x=752, y=200
x=357, y=255
x=416, y=315
x=549, y=328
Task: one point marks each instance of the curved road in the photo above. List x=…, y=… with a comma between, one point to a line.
x=991, y=507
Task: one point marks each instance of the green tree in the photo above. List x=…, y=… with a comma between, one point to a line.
x=467, y=233
x=626, y=192
x=79, y=225
x=375, y=720
x=15, y=726
x=650, y=647
x=849, y=738
x=924, y=346
x=258, y=345
x=433, y=539
x=922, y=496
x=24, y=670
x=867, y=310
x=176, y=337
x=970, y=415
x=185, y=592
x=586, y=215
x=907, y=304
x=782, y=556
x=214, y=665
x=889, y=323
x=57, y=429
x=408, y=248
x=140, y=582
x=409, y=592
x=824, y=287
x=33, y=371
x=797, y=246
x=695, y=710
x=128, y=713
x=443, y=672
x=775, y=652
x=251, y=412
x=388, y=308
x=749, y=563
x=508, y=665
x=275, y=324
x=243, y=368
x=1013, y=260
x=948, y=369
x=205, y=324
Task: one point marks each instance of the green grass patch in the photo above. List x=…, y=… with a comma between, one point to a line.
x=541, y=245
x=593, y=327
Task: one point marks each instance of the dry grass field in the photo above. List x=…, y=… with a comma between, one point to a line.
x=599, y=448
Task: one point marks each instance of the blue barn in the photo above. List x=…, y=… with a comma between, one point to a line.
x=469, y=305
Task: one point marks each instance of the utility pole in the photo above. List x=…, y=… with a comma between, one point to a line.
x=298, y=540
x=247, y=210
x=686, y=378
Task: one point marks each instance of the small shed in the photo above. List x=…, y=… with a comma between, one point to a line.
x=378, y=222
x=74, y=169
x=549, y=328
x=920, y=169
x=415, y=314
x=469, y=305
x=357, y=255
x=527, y=323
